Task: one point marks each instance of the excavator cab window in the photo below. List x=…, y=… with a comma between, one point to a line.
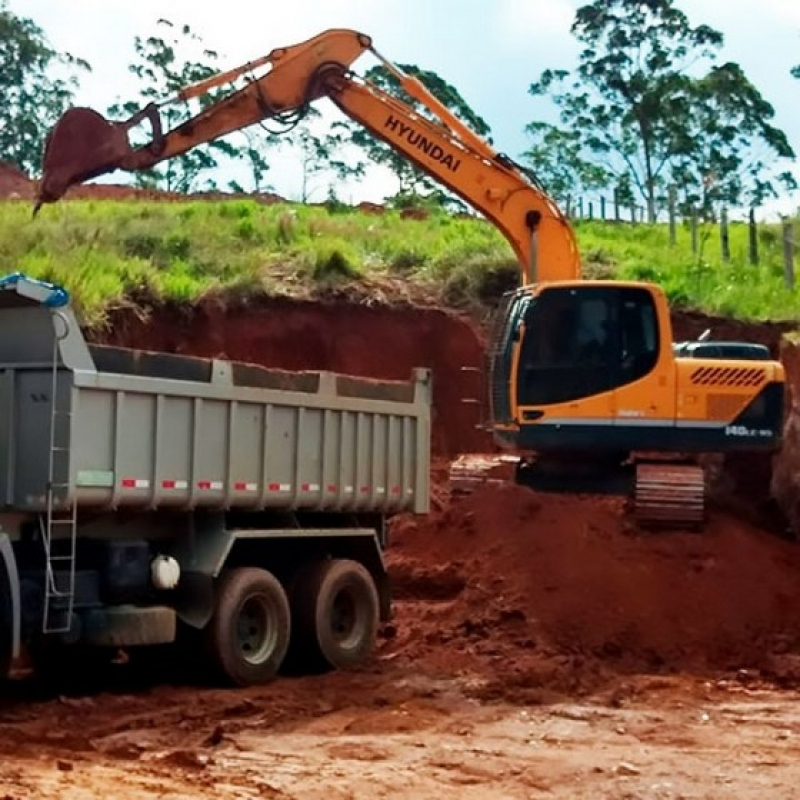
x=582, y=341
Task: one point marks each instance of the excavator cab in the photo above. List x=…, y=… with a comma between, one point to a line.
x=586, y=376
x=562, y=356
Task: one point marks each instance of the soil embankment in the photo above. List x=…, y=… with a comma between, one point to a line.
x=382, y=342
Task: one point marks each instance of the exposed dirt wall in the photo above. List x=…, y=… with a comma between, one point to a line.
x=375, y=342
x=785, y=485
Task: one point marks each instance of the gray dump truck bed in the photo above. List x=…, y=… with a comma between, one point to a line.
x=135, y=429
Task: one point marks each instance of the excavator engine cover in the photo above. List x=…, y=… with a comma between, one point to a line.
x=81, y=145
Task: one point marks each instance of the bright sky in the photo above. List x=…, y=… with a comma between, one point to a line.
x=490, y=50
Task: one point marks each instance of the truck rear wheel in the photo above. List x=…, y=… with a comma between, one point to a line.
x=335, y=612
x=248, y=634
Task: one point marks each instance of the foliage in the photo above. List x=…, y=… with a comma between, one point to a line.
x=557, y=157
x=641, y=105
x=322, y=153
x=36, y=84
x=732, y=144
x=107, y=252
x=162, y=74
x=410, y=179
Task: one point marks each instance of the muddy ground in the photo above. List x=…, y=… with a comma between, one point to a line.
x=541, y=646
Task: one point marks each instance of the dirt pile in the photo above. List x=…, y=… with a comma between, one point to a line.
x=552, y=591
x=383, y=342
x=14, y=183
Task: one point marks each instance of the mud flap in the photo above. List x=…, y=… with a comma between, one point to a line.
x=9, y=606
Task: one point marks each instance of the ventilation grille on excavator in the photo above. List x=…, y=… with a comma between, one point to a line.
x=728, y=376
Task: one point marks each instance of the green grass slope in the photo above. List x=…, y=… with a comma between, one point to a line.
x=108, y=252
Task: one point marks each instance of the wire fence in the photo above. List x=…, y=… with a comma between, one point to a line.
x=612, y=210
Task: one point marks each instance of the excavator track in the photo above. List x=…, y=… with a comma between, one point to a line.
x=669, y=495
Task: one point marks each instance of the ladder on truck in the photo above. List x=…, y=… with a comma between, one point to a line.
x=59, y=526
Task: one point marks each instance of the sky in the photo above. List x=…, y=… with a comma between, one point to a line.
x=490, y=50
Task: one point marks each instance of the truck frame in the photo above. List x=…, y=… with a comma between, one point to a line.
x=144, y=492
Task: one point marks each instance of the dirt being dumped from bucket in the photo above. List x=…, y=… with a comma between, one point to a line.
x=554, y=592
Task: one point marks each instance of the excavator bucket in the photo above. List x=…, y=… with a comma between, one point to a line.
x=82, y=145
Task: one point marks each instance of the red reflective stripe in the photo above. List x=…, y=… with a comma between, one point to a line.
x=240, y=486
x=274, y=487
x=395, y=490
x=168, y=484
x=332, y=487
x=129, y=483
x=364, y=489
x=203, y=484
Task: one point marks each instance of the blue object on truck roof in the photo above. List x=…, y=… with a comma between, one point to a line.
x=48, y=294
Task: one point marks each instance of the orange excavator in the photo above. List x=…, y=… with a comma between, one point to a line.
x=585, y=381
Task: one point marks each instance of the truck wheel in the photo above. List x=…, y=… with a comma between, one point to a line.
x=335, y=613
x=248, y=634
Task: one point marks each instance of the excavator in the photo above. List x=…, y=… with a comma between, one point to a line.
x=585, y=384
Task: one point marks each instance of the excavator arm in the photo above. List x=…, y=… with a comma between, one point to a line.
x=84, y=145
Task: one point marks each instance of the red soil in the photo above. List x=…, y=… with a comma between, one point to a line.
x=551, y=592
x=375, y=342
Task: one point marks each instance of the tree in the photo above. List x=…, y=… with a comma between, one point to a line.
x=558, y=160
x=162, y=74
x=642, y=95
x=37, y=84
x=322, y=153
x=410, y=179
x=732, y=146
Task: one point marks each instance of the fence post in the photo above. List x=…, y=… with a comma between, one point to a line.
x=753, y=236
x=693, y=224
x=617, y=214
x=580, y=208
x=723, y=235
x=569, y=206
x=591, y=210
x=602, y=208
x=633, y=214
x=673, y=231
x=788, y=252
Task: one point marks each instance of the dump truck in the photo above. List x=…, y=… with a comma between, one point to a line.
x=143, y=494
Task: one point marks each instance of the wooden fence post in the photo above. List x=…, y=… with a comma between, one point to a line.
x=723, y=235
x=633, y=214
x=788, y=252
x=617, y=214
x=602, y=208
x=673, y=231
x=693, y=224
x=580, y=208
x=591, y=210
x=753, y=236
x=569, y=206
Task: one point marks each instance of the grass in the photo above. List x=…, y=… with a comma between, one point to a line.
x=702, y=281
x=108, y=252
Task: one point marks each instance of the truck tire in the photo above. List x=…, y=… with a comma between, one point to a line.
x=335, y=611
x=248, y=634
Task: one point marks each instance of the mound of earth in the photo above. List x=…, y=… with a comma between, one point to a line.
x=553, y=591
x=14, y=183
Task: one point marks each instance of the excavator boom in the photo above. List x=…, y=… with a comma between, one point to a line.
x=84, y=145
